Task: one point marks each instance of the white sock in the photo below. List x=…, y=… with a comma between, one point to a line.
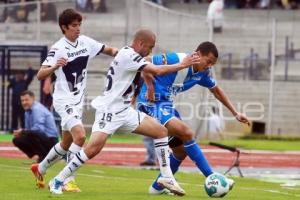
x=162, y=154
x=74, y=148
x=78, y=160
x=55, y=154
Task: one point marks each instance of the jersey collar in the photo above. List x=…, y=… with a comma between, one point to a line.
x=73, y=44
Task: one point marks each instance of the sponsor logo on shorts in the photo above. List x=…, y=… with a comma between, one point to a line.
x=164, y=111
x=69, y=110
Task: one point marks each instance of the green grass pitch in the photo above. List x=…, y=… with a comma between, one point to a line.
x=114, y=183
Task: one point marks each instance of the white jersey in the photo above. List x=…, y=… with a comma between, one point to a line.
x=71, y=79
x=122, y=80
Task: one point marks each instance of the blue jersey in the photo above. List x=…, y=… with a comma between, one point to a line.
x=167, y=86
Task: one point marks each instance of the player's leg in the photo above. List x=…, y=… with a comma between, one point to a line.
x=100, y=131
x=176, y=157
x=150, y=127
x=56, y=153
x=94, y=146
x=182, y=144
x=72, y=128
x=178, y=128
x=78, y=136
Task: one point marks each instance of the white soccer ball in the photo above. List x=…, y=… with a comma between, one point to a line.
x=216, y=185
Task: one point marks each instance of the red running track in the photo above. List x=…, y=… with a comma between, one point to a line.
x=133, y=154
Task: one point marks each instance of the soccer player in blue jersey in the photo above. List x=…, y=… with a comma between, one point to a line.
x=155, y=99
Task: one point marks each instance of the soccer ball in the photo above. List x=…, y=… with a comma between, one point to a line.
x=216, y=185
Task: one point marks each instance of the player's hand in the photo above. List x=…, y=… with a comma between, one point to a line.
x=191, y=60
x=242, y=118
x=61, y=62
x=133, y=100
x=150, y=94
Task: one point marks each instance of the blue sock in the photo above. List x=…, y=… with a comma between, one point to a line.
x=193, y=150
x=174, y=165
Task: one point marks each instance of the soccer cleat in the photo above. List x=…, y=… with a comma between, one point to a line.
x=154, y=191
x=55, y=186
x=71, y=186
x=230, y=182
x=40, y=183
x=171, y=185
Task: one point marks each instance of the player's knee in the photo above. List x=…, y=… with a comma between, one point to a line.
x=163, y=132
x=187, y=135
x=80, y=139
x=79, y=136
x=65, y=144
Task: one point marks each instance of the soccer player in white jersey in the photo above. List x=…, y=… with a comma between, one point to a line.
x=114, y=111
x=68, y=59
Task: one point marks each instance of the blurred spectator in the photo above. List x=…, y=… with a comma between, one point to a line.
x=215, y=15
x=150, y=159
x=264, y=4
x=230, y=3
x=100, y=6
x=159, y=2
x=18, y=84
x=91, y=6
x=215, y=125
x=290, y=4
x=48, y=11
x=84, y=5
x=17, y=13
x=40, y=133
x=47, y=100
x=47, y=96
x=188, y=1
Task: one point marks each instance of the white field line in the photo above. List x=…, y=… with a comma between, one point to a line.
x=9, y=167
x=141, y=149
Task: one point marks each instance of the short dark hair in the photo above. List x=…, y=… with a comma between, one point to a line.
x=68, y=16
x=27, y=92
x=208, y=47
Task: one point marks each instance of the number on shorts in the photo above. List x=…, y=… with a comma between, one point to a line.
x=106, y=117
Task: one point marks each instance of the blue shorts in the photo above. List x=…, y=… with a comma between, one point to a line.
x=162, y=111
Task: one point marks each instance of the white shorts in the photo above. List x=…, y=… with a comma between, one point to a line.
x=70, y=114
x=123, y=121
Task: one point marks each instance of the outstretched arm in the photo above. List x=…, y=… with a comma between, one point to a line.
x=110, y=51
x=149, y=78
x=165, y=69
x=223, y=98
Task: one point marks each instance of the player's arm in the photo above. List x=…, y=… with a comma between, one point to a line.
x=110, y=51
x=165, y=69
x=223, y=98
x=46, y=70
x=148, y=79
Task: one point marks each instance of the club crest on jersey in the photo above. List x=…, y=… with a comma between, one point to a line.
x=102, y=124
